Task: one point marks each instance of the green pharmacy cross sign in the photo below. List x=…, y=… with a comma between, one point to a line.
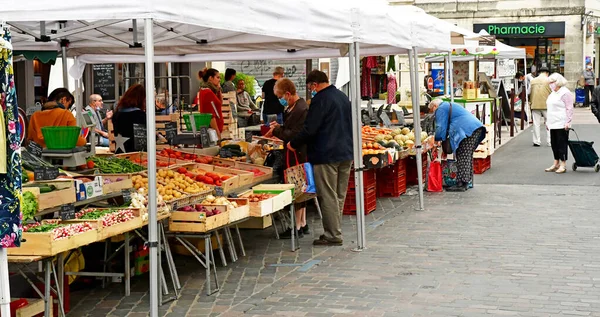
x=532, y=29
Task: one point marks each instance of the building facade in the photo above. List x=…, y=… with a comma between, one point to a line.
x=558, y=34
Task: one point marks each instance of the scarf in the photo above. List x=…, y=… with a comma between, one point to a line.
x=51, y=105
x=215, y=89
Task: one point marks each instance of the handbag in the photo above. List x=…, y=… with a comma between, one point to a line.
x=302, y=177
x=446, y=146
x=275, y=160
x=434, y=176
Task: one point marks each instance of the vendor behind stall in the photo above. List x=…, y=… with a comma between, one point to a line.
x=130, y=109
x=209, y=100
x=54, y=113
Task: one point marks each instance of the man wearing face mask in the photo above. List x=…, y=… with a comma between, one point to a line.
x=327, y=132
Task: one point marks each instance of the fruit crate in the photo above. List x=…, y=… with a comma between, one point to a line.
x=183, y=221
x=116, y=182
x=64, y=193
x=261, y=208
x=241, y=212
x=43, y=244
x=370, y=201
x=480, y=165
x=369, y=179
x=392, y=189
x=228, y=185
x=105, y=232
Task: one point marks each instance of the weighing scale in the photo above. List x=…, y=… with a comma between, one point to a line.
x=77, y=156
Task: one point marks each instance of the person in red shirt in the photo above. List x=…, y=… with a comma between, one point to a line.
x=210, y=102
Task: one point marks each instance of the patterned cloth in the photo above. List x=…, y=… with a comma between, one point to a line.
x=464, y=156
x=392, y=86
x=10, y=183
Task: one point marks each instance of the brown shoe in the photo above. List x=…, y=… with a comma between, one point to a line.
x=325, y=242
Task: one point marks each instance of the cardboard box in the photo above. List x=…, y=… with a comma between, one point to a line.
x=88, y=190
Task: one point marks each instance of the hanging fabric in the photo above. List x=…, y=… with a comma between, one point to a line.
x=392, y=87
x=10, y=147
x=391, y=67
x=365, y=80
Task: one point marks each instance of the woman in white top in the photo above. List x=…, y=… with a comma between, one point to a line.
x=560, y=114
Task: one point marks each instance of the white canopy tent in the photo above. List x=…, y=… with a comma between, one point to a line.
x=178, y=30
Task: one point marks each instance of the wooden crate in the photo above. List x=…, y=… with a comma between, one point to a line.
x=257, y=223
x=228, y=185
x=261, y=208
x=34, y=307
x=283, y=192
x=116, y=185
x=245, y=177
x=249, y=167
x=42, y=243
x=117, y=229
x=241, y=212
x=161, y=161
x=197, y=221
x=64, y=194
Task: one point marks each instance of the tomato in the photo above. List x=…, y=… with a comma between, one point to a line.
x=209, y=160
x=172, y=156
x=200, y=178
x=218, y=183
x=225, y=177
x=199, y=160
x=90, y=164
x=209, y=180
x=182, y=170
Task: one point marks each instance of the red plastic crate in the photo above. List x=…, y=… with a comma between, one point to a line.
x=480, y=165
x=411, y=169
x=393, y=188
x=370, y=202
x=369, y=179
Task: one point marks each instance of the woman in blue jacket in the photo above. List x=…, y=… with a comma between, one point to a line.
x=465, y=134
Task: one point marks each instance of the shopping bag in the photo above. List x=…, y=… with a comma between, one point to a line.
x=434, y=175
x=449, y=174
x=302, y=177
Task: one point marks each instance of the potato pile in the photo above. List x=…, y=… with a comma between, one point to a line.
x=212, y=200
x=175, y=180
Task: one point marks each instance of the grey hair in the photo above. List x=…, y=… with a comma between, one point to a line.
x=94, y=97
x=558, y=79
x=435, y=102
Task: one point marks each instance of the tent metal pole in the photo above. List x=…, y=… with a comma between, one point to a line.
x=65, y=70
x=360, y=181
x=446, y=77
x=151, y=143
x=414, y=66
x=451, y=71
x=356, y=131
x=4, y=284
x=170, y=83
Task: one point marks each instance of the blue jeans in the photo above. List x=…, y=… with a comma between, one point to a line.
x=266, y=118
x=103, y=142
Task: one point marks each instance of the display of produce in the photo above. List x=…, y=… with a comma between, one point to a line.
x=175, y=180
x=372, y=148
x=58, y=230
x=200, y=208
x=159, y=163
x=400, y=138
x=29, y=207
x=254, y=198
x=139, y=199
x=115, y=165
x=109, y=217
x=232, y=151
x=30, y=162
x=206, y=177
x=212, y=200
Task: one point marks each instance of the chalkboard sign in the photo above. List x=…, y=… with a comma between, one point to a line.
x=248, y=136
x=170, y=131
x=45, y=173
x=35, y=149
x=104, y=80
x=126, y=196
x=400, y=117
x=67, y=212
x=139, y=137
x=204, y=137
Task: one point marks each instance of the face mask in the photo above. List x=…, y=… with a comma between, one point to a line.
x=553, y=86
x=283, y=102
x=313, y=93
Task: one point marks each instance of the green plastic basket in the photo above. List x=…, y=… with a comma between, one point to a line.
x=61, y=138
x=200, y=119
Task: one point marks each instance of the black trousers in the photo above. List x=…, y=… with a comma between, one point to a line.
x=589, y=90
x=559, y=138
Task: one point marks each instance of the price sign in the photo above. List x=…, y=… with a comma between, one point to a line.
x=35, y=149
x=175, y=206
x=126, y=196
x=400, y=117
x=233, y=195
x=219, y=191
x=67, y=212
x=204, y=137
x=139, y=137
x=385, y=119
x=170, y=131
x=45, y=173
x=248, y=136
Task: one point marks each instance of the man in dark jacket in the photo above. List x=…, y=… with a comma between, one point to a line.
x=327, y=133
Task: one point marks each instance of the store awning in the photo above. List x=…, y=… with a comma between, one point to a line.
x=43, y=56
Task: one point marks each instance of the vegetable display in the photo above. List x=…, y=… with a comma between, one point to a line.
x=212, y=200
x=200, y=208
x=170, y=153
x=175, y=180
x=254, y=198
x=109, y=217
x=30, y=206
x=30, y=162
x=205, y=177
x=115, y=165
x=59, y=231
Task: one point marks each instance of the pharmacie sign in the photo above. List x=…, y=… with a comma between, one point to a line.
x=540, y=29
